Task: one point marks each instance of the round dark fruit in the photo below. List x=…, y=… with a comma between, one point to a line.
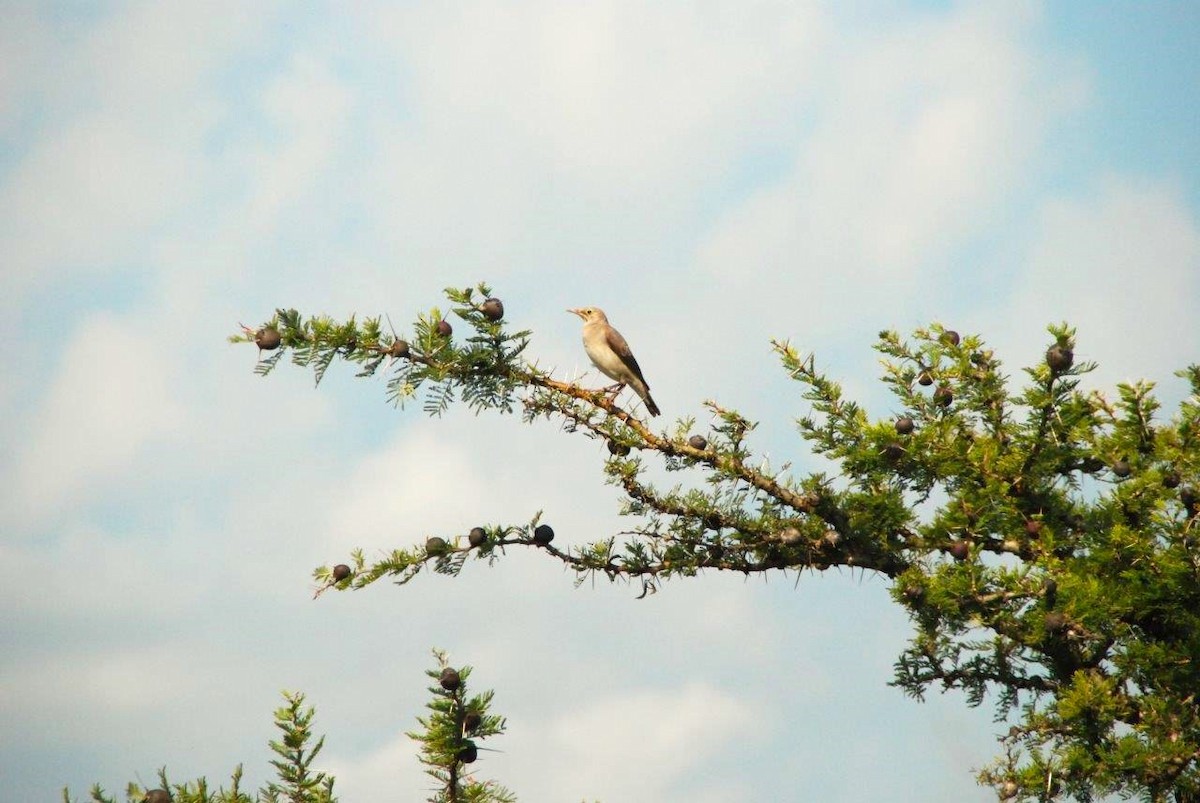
x=1059, y=358
x=157, y=796
x=471, y=721
x=340, y=572
x=399, y=349
x=1051, y=589
x=449, y=679
x=959, y=550
x=618, y=449
x=435, y=546
x=893, y=451
x=1033, y=527
x=543, y=534
x=492, y=309
x=1055, y=622
x=1122, y=468
x=468, y=754
x=267, y=339
x=1187, y=496
x=477, y=537
x=698, y=442
x=1171, y=479
x=717, y=551
x=943, y=396
x=924, y=380
x=1091, y=465
x=443, y=328
x=904, y=425
x=950, y=337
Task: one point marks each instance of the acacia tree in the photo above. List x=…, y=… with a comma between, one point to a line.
x=1042, y=539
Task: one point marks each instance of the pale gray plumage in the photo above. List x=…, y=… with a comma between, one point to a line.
x=610, y=353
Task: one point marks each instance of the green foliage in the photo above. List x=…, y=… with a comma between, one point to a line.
x=297, y=782
x=1043, y=539
x=450, y=737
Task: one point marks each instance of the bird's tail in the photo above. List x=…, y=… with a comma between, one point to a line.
x=650, y=405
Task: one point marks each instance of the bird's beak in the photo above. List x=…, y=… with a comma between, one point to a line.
x=577, y=312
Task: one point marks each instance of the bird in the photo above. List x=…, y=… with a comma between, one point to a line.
x=610, y=353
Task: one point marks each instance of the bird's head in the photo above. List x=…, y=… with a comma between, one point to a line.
x=590, y=314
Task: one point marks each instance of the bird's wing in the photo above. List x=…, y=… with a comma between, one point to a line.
x=617, y=343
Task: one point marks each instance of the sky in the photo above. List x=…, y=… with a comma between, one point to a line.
x=712, y=174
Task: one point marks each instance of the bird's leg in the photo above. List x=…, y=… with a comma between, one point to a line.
x=614, y=390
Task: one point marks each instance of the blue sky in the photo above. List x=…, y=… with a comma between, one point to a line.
x=713, y=175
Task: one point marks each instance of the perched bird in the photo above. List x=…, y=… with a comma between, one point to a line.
x=610, y=353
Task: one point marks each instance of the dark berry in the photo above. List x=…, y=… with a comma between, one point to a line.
x=340, y=572
x=157, y=796
x=443, y=328
x=618, y=449
x=543, y=534
x=492, y=309
x=925, y=379
x=950, y=337
x=267, y=339
x=698, y=442
x=399, y=348
x=893, y=451
x=1090, y=465
x=1051, y=589
x=435, y=546
x=449, y=679
x=943, y=396
x=1059, y=358
x=468, y=753
x=904, y=425
x=1171, y=479
x=1122, y=468
x=1187, y=496
x=471, y=721
x=1033, y=527
x=477, y=537
x=959, y=550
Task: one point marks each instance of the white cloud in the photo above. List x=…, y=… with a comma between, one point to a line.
x=389, y=771
x=608, y=119
x=117, y=126
x=133, y=681
x=607, y=90
x=639, y=745
x=111, y=398
x=1122, y=264
x=919, y=133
